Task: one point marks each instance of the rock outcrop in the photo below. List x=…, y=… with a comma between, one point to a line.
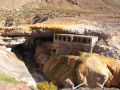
x=86, y=69
x=12, y=66
x=14, y=31
x=109, y=47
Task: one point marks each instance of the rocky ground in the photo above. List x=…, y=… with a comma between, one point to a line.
x=37, y=11
x=10, y=86
x=35, y=58
x=63, y=64
x=32, y=49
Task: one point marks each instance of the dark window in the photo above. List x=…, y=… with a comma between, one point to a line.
x=68, y=39
x=56, y=37
x=60, y=37
x=80, y=40
x=75, y=39
x=64, y=38
x=84, y=40
x=89, y=41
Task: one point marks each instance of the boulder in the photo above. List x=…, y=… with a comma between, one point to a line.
x=12, y=66
x=93, y=72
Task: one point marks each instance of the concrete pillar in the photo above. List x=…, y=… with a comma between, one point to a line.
x=91, y=48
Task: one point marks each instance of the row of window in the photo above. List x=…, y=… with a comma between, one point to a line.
x=73, y=39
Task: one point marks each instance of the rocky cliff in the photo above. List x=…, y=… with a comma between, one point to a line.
x=83, y=69
x=11, y=66
x=33, y=41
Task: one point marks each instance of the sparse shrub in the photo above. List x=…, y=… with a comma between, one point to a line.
x=46, y=86
x=9, y=79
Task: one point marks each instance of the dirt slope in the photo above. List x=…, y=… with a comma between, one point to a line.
x=37, y=11
x=13, y=3
x=98, y=5
x=82, y=5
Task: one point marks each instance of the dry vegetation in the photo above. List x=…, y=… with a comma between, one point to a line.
x=31, y=11
x=46, y=86
x=6, y=78
x=28, y=12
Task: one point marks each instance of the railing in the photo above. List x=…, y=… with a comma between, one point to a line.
x=75, y=38
x=76, y=41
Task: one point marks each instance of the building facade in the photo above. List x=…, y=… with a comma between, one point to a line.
x=76, y=42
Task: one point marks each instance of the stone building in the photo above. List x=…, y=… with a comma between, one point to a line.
x=75, y=42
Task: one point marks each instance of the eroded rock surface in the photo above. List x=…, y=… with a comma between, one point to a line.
x=14, y=67
x=11, y=86
x=85, y=69
x=109, y=47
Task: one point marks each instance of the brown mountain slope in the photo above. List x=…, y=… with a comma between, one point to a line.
x=10, y=4
x=98, y=5
x=82, y=5
x=35, y=11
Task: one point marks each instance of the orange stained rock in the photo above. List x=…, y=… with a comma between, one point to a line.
x=53, y=25
x=91, y=69
x=114, y=67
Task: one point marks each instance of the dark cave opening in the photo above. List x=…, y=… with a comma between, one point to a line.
x=26, y=51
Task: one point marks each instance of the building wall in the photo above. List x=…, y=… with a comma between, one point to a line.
x=75, y=42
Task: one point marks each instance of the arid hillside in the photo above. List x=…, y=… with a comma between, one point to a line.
x=37, y=11
x=59, y=44
x=82, y=5
x=11, y=4
x=98, y=5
